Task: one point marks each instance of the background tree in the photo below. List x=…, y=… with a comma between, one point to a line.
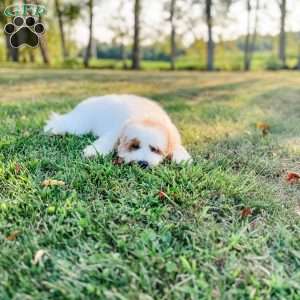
x=11, y=53
x=282, y=35
x=88, y=51
x=136, y=51
x=220, y=8
x=298, y=62
x=206, y=6
x=121, y=31
x=250, y=41
x=248, y=35
x=210, y=41
x=67, y=14
x=61, y=29
x=177, y=11
x=173, y=34
x=71, y=13
x=43, y=45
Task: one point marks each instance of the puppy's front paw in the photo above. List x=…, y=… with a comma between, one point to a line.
x=90, y=151
x=54, y=125
x=48, y=129
x=180, y=155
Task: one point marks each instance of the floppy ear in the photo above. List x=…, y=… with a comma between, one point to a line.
x=121, y=144
x=176, y=152
x=180, y=155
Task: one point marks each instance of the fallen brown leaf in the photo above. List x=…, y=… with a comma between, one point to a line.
x=293, y=177
x=118, y=161
x=52, y=182
x=13, y=235
x=264, y=127
x=162, y=195
x=246, y=212
x=17, y=168
x=38, y=256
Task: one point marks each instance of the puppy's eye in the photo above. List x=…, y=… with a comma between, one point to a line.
x=155, y=150
x=134, y=145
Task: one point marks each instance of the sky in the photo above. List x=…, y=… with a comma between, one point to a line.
x=109, y=11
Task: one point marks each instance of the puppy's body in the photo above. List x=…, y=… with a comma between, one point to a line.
x=119, y=121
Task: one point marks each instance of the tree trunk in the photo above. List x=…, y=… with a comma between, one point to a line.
x=247, y=42
x=210, y=42
x=14, y=54
x=173, y=34
x=298, y=63
x=136, y=59
x=43, y=43
x=7, y=47
x=11, y=53
x=123, y=56
x=44, y=47
x=44, y=50
x=254, y=37
x=250, y=42
x=61, y=29
x=31, y=56
x=282, y=37
x=88, y=51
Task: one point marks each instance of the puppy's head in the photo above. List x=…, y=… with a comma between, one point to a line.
x=146, y=142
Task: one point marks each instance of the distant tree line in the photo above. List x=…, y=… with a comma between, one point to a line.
x=66, y=13
x=152, y=52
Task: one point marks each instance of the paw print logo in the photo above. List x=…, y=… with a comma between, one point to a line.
x=24, y=31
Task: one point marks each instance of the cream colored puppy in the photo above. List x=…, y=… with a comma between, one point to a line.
x=138, y=128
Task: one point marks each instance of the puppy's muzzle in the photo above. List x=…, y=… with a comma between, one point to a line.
x=143, y=164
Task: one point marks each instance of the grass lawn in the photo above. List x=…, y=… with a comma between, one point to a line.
x=226, y=227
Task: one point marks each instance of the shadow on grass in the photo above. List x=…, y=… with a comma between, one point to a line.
x=16, y=76
x=189, y=93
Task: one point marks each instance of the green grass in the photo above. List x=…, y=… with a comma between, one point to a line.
x=107, y=233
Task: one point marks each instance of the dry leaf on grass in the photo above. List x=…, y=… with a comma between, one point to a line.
x=264, y=127
x=39, y=256
x=17, y=168
x=246, y=212
x=162, y=195
x=118, y=161
x=52, y=182
x=13, y=235
x=293, y=177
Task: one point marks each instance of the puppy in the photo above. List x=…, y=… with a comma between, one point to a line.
x=139, y=129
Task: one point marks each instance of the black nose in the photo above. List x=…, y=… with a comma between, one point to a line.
x=143, y=164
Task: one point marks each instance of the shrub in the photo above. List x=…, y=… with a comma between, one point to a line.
x=72, y=63
x=273, y=64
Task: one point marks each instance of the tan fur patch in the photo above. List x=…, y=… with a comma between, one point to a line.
x=173, y=137
x=168, y=131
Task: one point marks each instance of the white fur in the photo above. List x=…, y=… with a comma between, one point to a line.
x=113, y=118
